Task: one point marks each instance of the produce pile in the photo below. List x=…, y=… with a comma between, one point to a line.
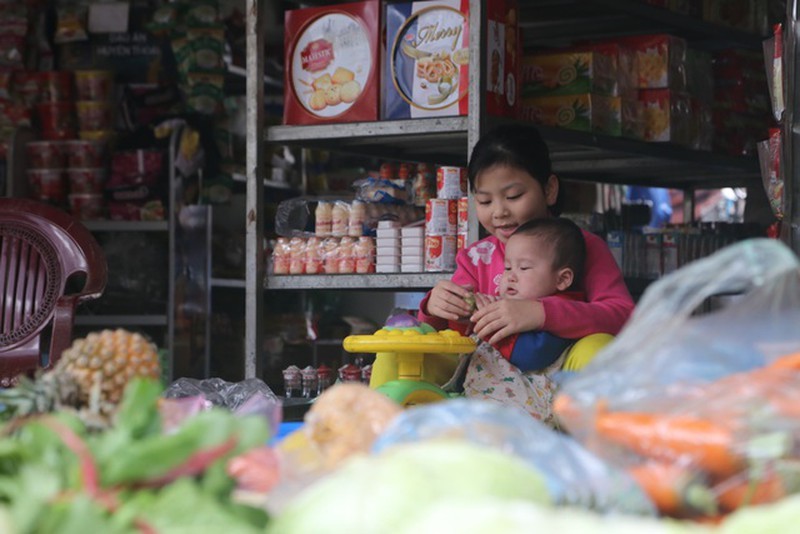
x=76, y=457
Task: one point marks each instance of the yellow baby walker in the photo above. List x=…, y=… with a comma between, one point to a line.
x=412, y=358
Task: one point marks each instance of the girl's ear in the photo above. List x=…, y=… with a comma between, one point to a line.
x=564, y=278
x=551, y=190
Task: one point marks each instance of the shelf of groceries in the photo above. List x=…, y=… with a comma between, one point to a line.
x=575, y=154
x=623, y=91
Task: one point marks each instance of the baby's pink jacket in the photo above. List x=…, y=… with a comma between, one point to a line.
x=608, y=302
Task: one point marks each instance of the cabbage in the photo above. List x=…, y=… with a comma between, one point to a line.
x=512, y=517
x=385, y=492
x=781, y=517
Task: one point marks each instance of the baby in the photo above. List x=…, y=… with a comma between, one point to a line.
x=543, y=257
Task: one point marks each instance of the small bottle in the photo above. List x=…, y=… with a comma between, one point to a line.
x=358, y=215
x=297, y=260
x=323, y=216
x=330, y=255
x=340, y=219
x=364, y=251
x=347, y=260
x=313, y=256
x=280, y=257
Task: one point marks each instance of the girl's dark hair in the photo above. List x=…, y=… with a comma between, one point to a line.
x=515, y=145
x=567, y=241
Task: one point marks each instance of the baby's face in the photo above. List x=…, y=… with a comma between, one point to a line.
x=529, y=272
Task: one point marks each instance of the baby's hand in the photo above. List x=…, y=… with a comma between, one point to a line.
x=448, y=300
x=482, y=300
x=498, y=320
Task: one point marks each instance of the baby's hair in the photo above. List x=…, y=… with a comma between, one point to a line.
x=515, y=145
x=566, y=240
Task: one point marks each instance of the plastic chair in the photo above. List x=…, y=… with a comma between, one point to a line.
x=42, y=249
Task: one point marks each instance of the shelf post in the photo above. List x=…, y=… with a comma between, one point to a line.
x=254, y=217
x=791, y=131
x=476, y=119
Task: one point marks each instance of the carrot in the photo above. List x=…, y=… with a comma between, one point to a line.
x=706, y=445
x=675, y=490
x=788, y=361
x=744, y=490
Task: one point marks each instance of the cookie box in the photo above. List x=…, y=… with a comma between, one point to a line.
x=332, y=64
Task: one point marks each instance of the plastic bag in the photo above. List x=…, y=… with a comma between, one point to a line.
x=702, y=407
x=573, y=474
x=250, y=396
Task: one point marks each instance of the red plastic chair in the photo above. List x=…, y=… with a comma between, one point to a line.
x=42, y=249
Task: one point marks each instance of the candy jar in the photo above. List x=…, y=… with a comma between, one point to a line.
x=324, y=378
x=350, y=373
x=291, y=380
x=309, y=378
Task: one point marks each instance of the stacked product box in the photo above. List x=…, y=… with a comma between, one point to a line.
x=587, y=88
x=412, y=241
x=662, y=81
x=387, y=251
x=426, y=62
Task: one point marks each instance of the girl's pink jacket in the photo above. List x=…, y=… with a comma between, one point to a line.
x=608, y=302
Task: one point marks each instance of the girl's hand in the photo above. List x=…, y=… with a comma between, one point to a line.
x=482, y=300
x=500, y=319
x=447, y=301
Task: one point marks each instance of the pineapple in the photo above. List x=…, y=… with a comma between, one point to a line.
x=90, y=377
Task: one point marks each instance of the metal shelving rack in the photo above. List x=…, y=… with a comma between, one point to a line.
x=17, y=186
x=576, y=155
x=791, y=128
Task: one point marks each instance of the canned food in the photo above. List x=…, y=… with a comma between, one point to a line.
x=440, y=253
x=451, y=182
x=441, y=217
x=463, y=215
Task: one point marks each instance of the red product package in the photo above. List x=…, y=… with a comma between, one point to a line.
x=503, y=58
x=136, y=167
x=332, y=64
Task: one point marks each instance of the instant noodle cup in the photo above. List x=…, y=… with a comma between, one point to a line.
x=57, y=120
x=82, y=153
x=86, y=206
x=94, y=84
x=45, y=155
x=87, y=180
x=95, y=115
x=55, y=86
x=48, y=185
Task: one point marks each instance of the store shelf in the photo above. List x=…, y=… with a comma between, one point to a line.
x=576, y=155
x=387, y=282
x=234, y=283
x=546, y=22
x=436, y=140
x=237, y=177
x=120, y=320
x=126, y=226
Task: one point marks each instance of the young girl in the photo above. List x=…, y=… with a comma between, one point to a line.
x=512, y=182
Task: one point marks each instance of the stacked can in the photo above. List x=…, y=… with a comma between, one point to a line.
x=441, y=219
x=462, y=228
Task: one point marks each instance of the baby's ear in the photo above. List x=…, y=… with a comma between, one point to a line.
x=564, y=278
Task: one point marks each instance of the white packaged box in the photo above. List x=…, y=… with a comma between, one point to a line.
x=387, y=268
x=386, y=242
x=392, y=233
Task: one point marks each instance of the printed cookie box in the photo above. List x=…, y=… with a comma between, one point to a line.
x=426, y=62
x=332, y=64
